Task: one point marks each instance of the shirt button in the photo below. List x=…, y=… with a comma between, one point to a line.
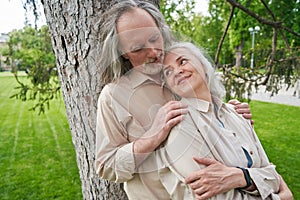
x=251, y=152
x=234, y=134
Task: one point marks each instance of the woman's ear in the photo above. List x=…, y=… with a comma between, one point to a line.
x=206, y=76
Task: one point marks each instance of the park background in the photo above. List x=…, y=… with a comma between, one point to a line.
x=38, y=157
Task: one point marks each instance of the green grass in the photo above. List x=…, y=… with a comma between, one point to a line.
x=278, y=127
x=37, y=157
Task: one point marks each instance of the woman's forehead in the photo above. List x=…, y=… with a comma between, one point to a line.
x=176, y=52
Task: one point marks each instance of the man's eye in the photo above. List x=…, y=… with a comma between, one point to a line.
x=135, y=50
x=154, y=38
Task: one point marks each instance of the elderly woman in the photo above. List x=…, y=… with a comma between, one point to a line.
x=211, y=129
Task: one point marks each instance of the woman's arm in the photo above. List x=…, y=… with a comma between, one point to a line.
x=284, y=191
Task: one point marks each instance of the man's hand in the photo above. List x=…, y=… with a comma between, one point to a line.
x=166, y=118
x=242, y=108
x=214, y=179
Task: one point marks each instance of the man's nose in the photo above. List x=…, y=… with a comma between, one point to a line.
x=154, y=52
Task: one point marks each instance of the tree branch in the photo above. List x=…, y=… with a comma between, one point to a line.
x=223, y=36
x=274, y=18
x=260, y=19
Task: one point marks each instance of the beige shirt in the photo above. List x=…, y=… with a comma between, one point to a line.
x=201, y=134
x=126, y=110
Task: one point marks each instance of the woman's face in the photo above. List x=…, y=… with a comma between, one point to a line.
x=184, y=73
x=141, y=40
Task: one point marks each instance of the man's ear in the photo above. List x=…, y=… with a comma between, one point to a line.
x=125, y=56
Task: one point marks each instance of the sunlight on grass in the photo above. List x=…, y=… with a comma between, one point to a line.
x=278, y=128
x=37, y=157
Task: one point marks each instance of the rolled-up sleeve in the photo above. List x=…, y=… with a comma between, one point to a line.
x=266, y=180
x=266, y=177
x=114, y=152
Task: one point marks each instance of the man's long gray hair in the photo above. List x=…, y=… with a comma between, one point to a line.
x=111, y=63
x=215, y=86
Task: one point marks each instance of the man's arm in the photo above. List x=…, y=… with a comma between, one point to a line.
x=217, y=178
x=167, y=117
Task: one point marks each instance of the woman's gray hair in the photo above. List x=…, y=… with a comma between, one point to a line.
x=215, y=86
x=112, y=64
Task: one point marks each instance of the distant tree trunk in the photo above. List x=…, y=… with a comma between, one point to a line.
x=74, y=29
x=239, y=54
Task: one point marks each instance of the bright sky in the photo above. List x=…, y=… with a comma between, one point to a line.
x=202, y=6
x=12, y=16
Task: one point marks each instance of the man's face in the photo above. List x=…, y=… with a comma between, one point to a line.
x=141, y=40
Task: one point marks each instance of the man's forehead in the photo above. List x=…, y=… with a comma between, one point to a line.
x=139, y=31
x=136, y=18
x=138, y=34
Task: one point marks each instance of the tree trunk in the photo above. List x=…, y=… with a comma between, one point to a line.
x=74, y=28
x=239, y=54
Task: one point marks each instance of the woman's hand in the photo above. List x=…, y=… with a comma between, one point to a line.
x=242, y=108
x=284, y=191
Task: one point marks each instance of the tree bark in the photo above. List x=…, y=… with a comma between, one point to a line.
x=239, y=54
x=74, y=28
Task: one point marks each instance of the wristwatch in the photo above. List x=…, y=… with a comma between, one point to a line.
x=247, y=178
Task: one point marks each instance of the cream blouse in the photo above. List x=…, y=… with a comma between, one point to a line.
x=221, y=136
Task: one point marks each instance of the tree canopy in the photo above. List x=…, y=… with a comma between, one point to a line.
x=223, y=34
x=30, y=50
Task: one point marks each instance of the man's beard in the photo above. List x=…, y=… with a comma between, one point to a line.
x=150, y=68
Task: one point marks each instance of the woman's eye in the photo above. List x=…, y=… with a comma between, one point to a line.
x=168, y=72
x=183, y=61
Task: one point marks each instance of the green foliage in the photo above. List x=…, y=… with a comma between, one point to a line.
x=179, y=15
x=37, y=157
x=272, y=67
x=235, y=84
x=30, y=50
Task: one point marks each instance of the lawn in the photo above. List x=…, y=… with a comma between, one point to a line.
x=278, y=127
x=37, y=157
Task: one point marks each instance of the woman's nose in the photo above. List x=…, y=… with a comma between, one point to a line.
x=178, y=71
